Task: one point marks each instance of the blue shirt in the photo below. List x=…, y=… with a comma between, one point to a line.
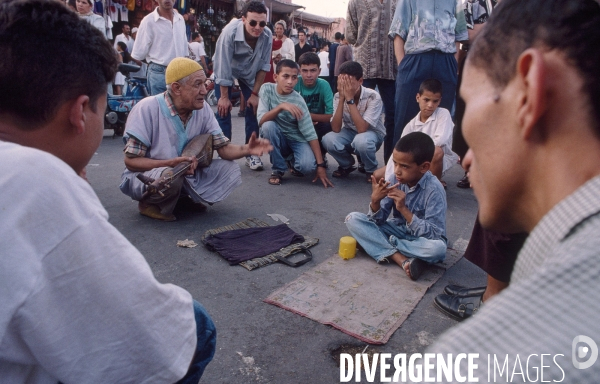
x=427, y=25
x=234, y=58
x=426, y=201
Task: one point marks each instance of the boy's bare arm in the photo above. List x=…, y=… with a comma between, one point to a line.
x=320, y=117
x=336, y=121
x=272, y=114
x=320, y=173
x=360, y=123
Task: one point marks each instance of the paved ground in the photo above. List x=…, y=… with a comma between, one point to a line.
x=258, y=342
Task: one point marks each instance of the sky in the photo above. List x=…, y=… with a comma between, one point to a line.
x=327, y=8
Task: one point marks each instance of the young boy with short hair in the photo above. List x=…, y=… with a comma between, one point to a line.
x=435, y=122
x=416, y=233
x=317, y=95
x=356, y=124
x=286, y=122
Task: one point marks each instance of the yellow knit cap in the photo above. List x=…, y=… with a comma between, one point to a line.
x=179, y=68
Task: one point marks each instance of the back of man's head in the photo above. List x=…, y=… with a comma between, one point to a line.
x=285, y=63
x=418, y=144
x=309, y=58
x=352, y=68
x=571, y=27
x=338, y=36
x=49, y=56
x=431, y=85
x=254, y=7
x=195, y=35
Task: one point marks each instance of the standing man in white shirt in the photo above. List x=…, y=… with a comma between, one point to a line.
x=125, y=37
x=160, y=38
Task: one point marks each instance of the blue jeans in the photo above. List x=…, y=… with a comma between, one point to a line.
x=387, y=91
x=225, y=122
x=205, y=347
x=340, y=145
x=381, y=241
x=156, y=79
x=283, y=148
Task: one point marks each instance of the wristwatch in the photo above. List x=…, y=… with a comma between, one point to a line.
x=351, y=101
x=322, y=165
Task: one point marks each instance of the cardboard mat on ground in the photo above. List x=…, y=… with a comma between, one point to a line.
x=360, y=297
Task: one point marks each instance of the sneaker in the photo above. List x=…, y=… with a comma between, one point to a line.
x=254, y=163
x=242, y=113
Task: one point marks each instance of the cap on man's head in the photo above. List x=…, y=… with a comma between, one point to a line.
x=134, y=30
x=179, y=68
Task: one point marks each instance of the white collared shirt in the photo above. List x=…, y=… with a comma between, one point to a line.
x=160, y=40
x=439, y=127
x=128, y=40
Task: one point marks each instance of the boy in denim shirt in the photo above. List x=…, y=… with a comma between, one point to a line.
x=416, y=233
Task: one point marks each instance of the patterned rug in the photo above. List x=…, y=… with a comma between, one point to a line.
x=358, y=296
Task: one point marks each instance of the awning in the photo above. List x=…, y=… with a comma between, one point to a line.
x=277, y=6
x=313, y=18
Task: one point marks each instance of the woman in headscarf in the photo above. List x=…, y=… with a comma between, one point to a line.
x=287, y=45
x=85, y=10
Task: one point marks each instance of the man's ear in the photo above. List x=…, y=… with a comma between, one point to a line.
x=425, y=167
x=80, y=107
x=531, y=73
x=418, y=97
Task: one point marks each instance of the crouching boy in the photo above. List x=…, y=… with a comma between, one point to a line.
x=285, y=121
x=416, y=233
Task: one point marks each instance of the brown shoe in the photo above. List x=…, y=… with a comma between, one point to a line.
x=153, y=212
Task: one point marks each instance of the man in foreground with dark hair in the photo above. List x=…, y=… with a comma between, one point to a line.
x=243, y=52
x=415, y=235
x=532, y=120
x=79, y=302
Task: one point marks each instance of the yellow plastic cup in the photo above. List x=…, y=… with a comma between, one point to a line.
x=347, y=247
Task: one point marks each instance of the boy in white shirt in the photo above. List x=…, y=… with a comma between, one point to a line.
x=435, y=122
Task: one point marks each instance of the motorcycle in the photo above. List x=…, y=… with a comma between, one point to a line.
x=211, y=96
x=119, y=106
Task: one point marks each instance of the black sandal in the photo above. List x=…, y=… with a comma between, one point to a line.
x=275, y=178
x=292, y=170
x=343, y=172
x=464, y=182
x=415, y=267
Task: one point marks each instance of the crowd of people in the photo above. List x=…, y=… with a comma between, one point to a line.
x=528, y=108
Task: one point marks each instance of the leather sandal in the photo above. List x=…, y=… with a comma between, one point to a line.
x=343, y=172
x=458, y=308
x=413, y=267
x=457, y=290
x=275, y=178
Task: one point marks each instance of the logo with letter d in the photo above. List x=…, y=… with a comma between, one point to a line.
x=580, y=352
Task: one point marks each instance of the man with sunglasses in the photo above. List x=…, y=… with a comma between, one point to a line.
x=243, y=52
